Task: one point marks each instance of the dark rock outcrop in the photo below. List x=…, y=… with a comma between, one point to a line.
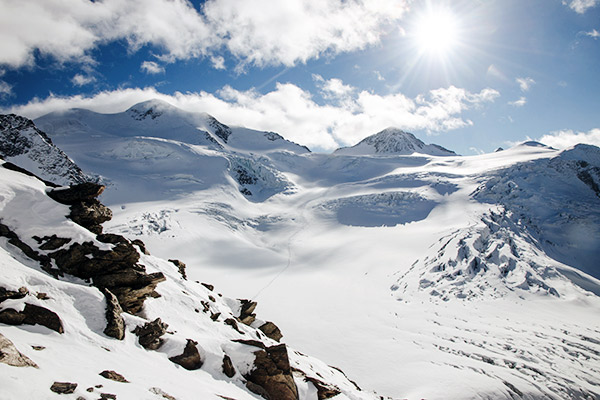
x=271, y=376
x=180, y=266
x=49, y=243
x=6, y=294
x=32, y=315
x=271, y=330
x=113, y=376
x=11, y=356
x=63, y=387
x=247, y=315
x=190, y=358
x=86, y=210
x=227, y=367
x=149, y=334
x=115, y=324
x=324, y=391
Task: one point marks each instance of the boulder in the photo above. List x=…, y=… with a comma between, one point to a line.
x=271, y=330
x=115, y=324
x=11, y=356
x=32, y=315
x=76, y=193
x=271, y=376
x=113, y=376
x=149, y=334
x=324, y=391
x=227, y=367
x=190, y=358
x=247, y=315
x=6, y=294
x=63, y=387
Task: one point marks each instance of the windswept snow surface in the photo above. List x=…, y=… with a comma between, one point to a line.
x=420, y=276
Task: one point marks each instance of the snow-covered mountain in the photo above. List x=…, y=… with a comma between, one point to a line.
x=420, y=275
x=22, y=143
x=394, y=141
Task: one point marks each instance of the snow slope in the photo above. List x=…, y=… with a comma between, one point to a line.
x=77, y=354
x=421, y=276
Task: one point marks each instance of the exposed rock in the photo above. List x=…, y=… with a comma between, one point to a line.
x=190, y=358
x=108, y=396
x=42, y=296
x=141, y=246
x=77, y=193
x=250, y=342
x=231, y=322
x=11, y=356
x=160, y=392
x=227, y=366
x=208, y=286
x=26, y=249
x=246, y=313
x=113, y=376
x=115, y=324
x=63, y=387
x=149, y=335
x=51, y=242
x=181, y=267
x=215, y=316
x=32, y=315
x=272, y=374
x=6, y=294
x=324, y=391
x=16, y=168
x=271, y=330
x=90, y=215
x=38, y=348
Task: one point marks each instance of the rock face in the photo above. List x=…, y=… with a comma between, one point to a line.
x=115, y=324
x=32, y=315
x=190, y=358
x=271, y=330
x=149, y=334
x=86, y=210
x=11, y=356
x=247, y=315
x=21, y=141
x=272, y=376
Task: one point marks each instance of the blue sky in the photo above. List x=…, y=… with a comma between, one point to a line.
x=471, y=75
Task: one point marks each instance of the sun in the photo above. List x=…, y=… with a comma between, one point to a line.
x=436, y=32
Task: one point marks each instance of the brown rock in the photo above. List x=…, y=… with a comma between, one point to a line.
x=324, y=391
x=231, y=322
x=115, y=324
x=149, y=334
x=190, y=358
x=63, y=387
x=51, y=242
x=272, y=374
x=6, y=294
x=180, y=266
x=141, y=246
x=113, y=376
x=11, y=356
x=227, y=366
x=208, y=286
x=271, y=330
x=76, y=193
x=32, y=315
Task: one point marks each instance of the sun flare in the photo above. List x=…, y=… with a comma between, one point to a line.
x=436, y=32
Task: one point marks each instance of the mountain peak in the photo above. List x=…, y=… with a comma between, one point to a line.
x=394, y=141
x=152, y=109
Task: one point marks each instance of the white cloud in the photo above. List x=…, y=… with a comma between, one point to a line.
x=518, y=103
x=218, y=62
x=250, y=30
x=593, y=34
x=82, y=80
x=581, y=6
x=291, y=111
x=5, y=88
x=568, y=138
x=151, y=67
x=525, y=83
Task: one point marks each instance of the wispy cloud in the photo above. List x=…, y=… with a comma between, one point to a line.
x=525, y=83
x=581, y=6
x=82, y=80
x=5, y=89
x=152, y=67
x=291, y=111
x=248, y=30
x=518, y=103
x=593, y=34
x=568, y=138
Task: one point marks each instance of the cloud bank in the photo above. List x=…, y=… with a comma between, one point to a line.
x=581, y=6
x=250, y=30
x=292, y=111
x=568, y=138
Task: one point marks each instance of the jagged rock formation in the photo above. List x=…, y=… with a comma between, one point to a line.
x=9, y=355
x=271, y=376
x=24, y=144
